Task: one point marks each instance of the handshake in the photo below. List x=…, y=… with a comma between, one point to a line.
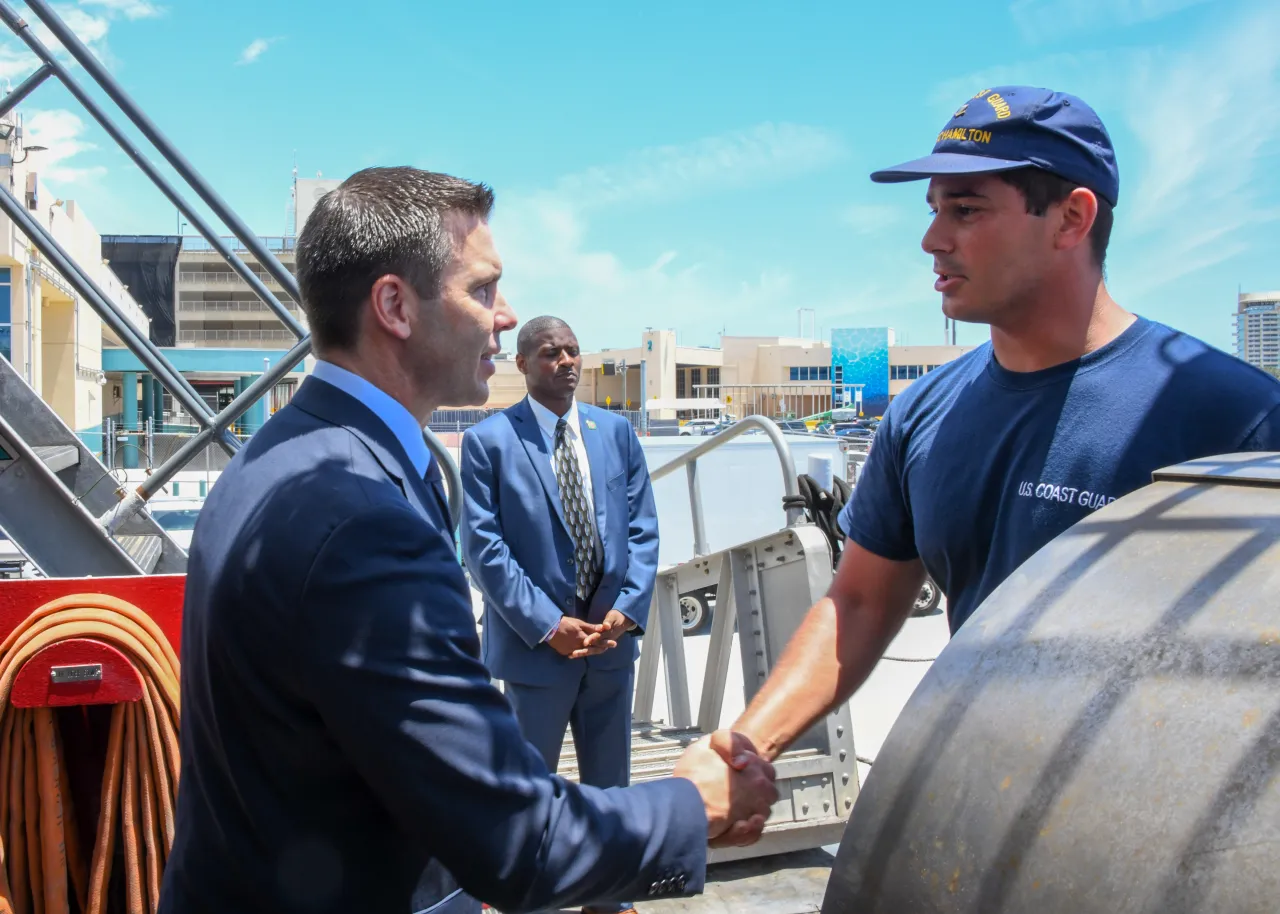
x=736, y=784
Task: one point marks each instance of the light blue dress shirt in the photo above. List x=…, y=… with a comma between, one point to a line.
x=390, y=410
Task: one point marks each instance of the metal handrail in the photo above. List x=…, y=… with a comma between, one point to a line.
x=689, y=460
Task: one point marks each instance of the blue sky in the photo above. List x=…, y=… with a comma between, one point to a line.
x=701, y=167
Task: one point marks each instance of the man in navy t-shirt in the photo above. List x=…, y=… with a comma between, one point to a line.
x=1073, y=403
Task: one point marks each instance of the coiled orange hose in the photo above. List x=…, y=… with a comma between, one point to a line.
x=43, y=868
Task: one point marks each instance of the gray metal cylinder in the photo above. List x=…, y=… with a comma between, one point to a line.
x=1103, y=734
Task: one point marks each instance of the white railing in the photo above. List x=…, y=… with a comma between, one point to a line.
x=230, y=336
x=222, y=277
x=228, y=305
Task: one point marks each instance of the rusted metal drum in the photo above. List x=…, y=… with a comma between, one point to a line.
x=1103, y=735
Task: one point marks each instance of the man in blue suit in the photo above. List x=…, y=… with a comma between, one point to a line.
x=343, y=748
x=560, y=534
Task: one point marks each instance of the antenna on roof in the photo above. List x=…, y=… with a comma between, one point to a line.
x=291, y=217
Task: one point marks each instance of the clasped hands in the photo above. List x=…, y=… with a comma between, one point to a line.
x=577, y=638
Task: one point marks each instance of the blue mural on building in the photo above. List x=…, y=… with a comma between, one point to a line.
x=860, y=355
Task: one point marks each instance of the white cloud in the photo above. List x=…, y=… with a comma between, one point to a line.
x=872, y=218
x=256, y=49
x=62, y=132
x=1207, y=120
x=130, y=9
x=762, y=153
x=552, y=265
x=1041, y=20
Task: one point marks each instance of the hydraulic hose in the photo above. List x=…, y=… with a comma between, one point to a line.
x=44, y=870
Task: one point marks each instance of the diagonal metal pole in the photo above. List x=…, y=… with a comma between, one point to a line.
x=25, y=88
x=117, y=94
x=87, y=289
x=118, y=514
x=91, y=64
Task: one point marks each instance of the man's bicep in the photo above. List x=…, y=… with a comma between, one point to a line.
x=865, y=581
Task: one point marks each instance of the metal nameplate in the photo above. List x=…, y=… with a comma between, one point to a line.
x=81, y=672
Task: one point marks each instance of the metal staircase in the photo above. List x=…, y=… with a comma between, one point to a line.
x=53, y=491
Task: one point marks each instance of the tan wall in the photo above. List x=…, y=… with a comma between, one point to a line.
x=660, y=367
x=774, y=363
x=765, y=359
x=926, y=355
x=506, y=387
x=920, y=355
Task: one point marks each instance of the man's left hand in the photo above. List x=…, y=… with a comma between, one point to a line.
x=615, y=623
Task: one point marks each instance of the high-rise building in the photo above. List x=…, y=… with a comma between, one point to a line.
x=1257, y=329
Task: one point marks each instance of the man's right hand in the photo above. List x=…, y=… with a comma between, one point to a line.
x=575, y=638
x=737, y=786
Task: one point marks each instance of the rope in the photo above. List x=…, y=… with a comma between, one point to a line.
x=43, y=864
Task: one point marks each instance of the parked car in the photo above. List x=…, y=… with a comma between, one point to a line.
x=701, y=427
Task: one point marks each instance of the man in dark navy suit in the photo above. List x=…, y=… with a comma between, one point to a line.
x=343, y=747
x=560, y=533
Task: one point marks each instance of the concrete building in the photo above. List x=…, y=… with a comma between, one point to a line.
x=53, y=338
x=1257, y=329
x=780, y=377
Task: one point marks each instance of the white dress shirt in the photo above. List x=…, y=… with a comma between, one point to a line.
x=547, y=421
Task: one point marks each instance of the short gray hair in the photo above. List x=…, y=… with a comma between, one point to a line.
x=378, y=221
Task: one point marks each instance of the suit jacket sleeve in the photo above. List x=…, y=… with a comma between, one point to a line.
x=524, y=605
x=642, y=537
x=388, y=654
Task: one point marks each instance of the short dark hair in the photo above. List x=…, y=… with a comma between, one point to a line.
x=378, y=221
x=532, y=331
x=1041, y=189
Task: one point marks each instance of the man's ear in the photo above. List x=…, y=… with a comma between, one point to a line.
x=390, y=300
x=521, y=364
x=1077, y=214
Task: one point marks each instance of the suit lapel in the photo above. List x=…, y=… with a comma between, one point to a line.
x=535, y=446
x=596, y=456
x=327, y=402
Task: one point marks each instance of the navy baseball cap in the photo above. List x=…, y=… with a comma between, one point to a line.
x=1017, y=126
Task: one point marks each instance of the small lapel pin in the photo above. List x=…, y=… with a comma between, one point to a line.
x=590, y=424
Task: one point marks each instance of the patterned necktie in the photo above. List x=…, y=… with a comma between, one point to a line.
x=578, y=514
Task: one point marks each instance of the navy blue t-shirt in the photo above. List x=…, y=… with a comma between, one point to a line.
x=975, y=467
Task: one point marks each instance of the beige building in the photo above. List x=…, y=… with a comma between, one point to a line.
x=773, y=376
x=53, y=339
x=908, y=363
x=215, y=307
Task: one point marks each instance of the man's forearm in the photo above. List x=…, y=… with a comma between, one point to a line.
x=822, y=666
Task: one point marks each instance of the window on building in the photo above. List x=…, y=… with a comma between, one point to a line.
x=695, y=382
x=811, y=373
x=680, y=384
x=713, y=382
